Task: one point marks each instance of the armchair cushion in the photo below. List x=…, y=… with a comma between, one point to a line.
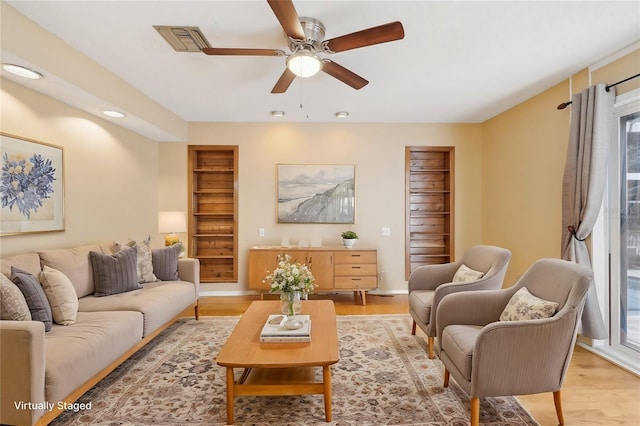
x=458, y=342
x=465, y=274
x=525, y=306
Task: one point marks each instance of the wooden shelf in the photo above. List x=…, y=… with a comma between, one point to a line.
x=429, y=177
x=213, y=211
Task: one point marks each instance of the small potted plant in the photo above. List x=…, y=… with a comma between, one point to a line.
x=349, y=238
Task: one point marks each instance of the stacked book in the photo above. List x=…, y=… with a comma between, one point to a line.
x=276, y=331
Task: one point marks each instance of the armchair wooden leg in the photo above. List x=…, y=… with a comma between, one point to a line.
x=557, y=400
x=446, y=378
x=413, y=329
x=431, y=356
x=196, y=311
x=475, y=411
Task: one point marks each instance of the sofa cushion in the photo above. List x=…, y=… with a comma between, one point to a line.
x=13, y=305
x=74, y=263
x=60, y=294
x=114, y=274
x=29, y=262
x=34, y=295
x=159, y=302
x=78, y=352
x=525, y=306
x=464, y=274
x=165, y=262
x=458, y=342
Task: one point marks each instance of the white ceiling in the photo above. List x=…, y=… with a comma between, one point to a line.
x=460, y=62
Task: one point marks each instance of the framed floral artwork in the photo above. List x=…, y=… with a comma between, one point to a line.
x=316, y=193
x=31, y=186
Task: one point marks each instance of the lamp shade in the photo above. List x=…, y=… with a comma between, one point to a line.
x=172, y=222
x=304, y=64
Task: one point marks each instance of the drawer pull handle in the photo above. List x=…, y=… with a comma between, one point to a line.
x=356, y=267
x=356, y=279
x=355, y=255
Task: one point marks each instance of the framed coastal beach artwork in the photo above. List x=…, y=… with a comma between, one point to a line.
x=316, y=193
x=31, y=186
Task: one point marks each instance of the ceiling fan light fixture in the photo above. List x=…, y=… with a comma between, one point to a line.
x=304, y=63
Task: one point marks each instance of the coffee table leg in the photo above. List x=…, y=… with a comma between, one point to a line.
x=230, y=384
x=326, y=379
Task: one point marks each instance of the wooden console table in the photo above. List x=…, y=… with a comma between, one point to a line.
x=335, y=268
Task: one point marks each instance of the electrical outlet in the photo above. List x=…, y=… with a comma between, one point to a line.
x=386, y=231
x=261, y=232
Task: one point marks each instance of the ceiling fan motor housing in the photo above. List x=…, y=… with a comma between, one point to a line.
x=314, y=35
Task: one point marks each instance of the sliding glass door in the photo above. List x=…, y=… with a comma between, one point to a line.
x=628, y=232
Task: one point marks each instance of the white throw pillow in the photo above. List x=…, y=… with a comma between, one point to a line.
x=525, y=306
x=144, y=263
x=13, y=305
x=464, y=274
x=61, y=295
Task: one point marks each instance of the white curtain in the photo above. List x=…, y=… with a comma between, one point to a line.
x=583, y=186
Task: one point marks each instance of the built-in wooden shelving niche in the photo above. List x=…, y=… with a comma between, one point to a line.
x=213, y=211
x=429, y=185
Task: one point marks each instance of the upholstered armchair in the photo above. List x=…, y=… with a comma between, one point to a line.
x=510, y=341
x=428, y=284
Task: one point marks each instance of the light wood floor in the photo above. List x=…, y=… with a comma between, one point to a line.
x=595, y=392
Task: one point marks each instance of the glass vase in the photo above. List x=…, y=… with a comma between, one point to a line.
x=291, y=303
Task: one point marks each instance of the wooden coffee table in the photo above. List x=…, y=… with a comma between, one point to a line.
x=281, y=368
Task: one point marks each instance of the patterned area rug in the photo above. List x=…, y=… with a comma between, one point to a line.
x=384, y=377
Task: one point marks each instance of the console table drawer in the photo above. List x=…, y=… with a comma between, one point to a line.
x=356, y=283
x=355, y=269
x=356, y=257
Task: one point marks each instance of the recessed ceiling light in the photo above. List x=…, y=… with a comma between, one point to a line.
x=113, y=114
x=342, y=114
x=277, y=113
x=21, y=71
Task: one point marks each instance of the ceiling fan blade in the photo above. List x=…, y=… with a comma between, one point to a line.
x=343, y=74
x=284, y=82
x=375, y=35
x=246, y=52
x=286, y=13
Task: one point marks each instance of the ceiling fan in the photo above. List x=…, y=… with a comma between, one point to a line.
x=306, y=40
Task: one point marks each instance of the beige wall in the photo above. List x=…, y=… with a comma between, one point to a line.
x=523, y=153
x=377, y=150
x=111, y=174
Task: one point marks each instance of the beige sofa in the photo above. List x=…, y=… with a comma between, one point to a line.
x=41, y=374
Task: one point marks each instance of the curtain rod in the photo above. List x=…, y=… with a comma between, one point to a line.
x=566, y=104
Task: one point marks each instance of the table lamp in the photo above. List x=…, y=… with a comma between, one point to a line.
x=171, y=223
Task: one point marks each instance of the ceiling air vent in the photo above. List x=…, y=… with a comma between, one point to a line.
x=183, y=39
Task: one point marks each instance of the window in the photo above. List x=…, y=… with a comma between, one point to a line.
x=616, y=240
